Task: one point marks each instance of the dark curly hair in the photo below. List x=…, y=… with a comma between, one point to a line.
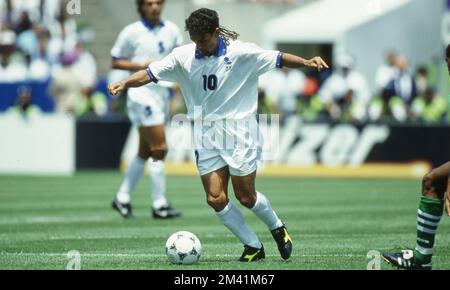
x=205, y=20
x=139, y=5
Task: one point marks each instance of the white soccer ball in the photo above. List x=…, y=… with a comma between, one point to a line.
x=183, y=248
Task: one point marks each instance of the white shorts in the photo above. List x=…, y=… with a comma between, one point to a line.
x=235, y=145
x=146, y=108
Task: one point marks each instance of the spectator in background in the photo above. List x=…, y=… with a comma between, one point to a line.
x=429, y=107
x=387, y=108
x=33, y=43
x=403, y=84
x=345, y=93
x=309, y=105
x=12, y=64
x=85, y=67
x=421, y=80
x=386, y=72
x=67, y=88
x=283, y=87
x=265, y=107
x=6, y=12
x=24, y=106
x=63, y=35
x=393, y=104
x=32, y=9
x=24, y=23
x=38, y=11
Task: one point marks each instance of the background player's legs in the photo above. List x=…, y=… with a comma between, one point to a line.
x=244, y=188
x=434, y=186
x=154, y=143
x=157, y=173
x=134, y=172
x=216, y=189
x=155, y=138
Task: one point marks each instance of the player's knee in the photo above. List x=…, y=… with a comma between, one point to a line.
x=217, y=202
x=144, y=155
x=158, y=152
x=247, y=200
x=428, y=184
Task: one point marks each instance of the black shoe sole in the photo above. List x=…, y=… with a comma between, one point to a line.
x=166, y=217
x=116, y=208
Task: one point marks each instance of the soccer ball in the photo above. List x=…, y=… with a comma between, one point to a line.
x=183, y=248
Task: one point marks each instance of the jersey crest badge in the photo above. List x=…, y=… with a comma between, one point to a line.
x=228, y=63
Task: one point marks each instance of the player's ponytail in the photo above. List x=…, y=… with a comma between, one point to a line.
x=205, y=20
x=228, y=34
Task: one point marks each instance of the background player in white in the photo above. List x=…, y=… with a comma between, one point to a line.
x=219, y=81
x=138, y=44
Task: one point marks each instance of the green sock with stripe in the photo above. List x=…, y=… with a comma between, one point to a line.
x=428, y=216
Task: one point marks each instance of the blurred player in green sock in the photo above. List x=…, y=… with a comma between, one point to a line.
x=435, y=198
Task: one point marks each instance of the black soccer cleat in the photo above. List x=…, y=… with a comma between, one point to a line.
x=251, y=254
x=124, y=209
x=165, y=212
x=405, y=260
x=284, y=241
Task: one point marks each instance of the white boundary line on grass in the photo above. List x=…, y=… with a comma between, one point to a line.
x=162, y=255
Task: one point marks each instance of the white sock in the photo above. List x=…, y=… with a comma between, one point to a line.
x=130, y=180
x=264, y=211
x=233, y=219
x=157, y=174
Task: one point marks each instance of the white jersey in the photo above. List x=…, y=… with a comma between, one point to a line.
x=140, y=42
x=225, y=85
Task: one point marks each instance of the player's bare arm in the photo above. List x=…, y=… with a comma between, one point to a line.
x=136, y=80
x=293, y=61
x=124, y=64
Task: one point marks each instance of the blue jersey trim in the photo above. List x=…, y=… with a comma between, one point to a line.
x=151, y=75
x=279, y=58
x=221, y=50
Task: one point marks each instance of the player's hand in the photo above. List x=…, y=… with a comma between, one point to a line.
x=116, y=88
x=447, y=203
x=317, y=63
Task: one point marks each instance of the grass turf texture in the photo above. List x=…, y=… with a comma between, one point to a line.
x=334, y=223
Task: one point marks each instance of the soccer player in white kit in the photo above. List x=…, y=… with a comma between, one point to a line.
x=137, y=45
x=218, y=77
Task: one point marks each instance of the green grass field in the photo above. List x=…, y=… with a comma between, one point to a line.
x=334, y=223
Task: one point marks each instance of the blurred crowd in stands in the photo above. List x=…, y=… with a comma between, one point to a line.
x=40, y=42
x=401, y=95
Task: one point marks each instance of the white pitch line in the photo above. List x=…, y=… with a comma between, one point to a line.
x=162, y=255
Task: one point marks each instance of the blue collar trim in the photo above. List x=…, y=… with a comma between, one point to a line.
x=221, y=49
x=149, y=26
